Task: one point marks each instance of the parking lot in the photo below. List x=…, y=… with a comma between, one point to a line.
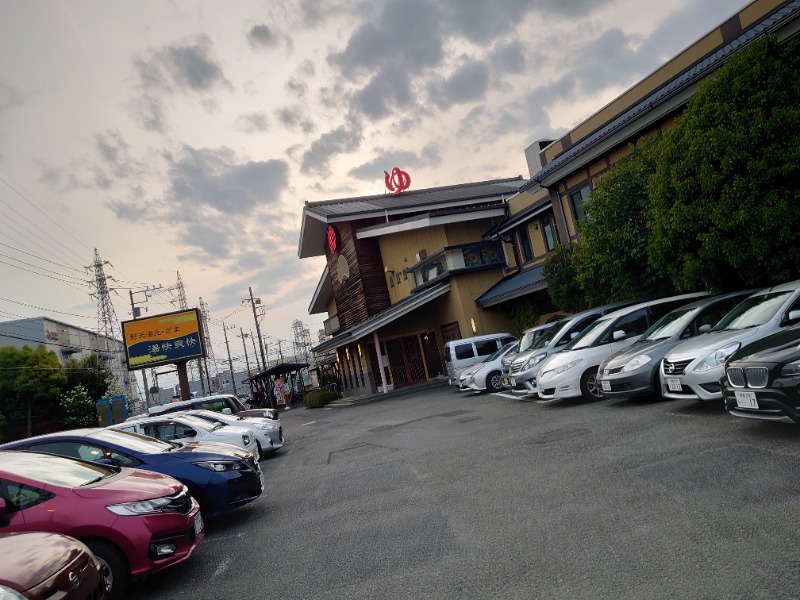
x=438, y=494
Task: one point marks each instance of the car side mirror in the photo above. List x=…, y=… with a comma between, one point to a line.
x=794, y=315
x=704, y=328
x=619, y=334
x=226, y=411
x=573, y=335
x=191, y=433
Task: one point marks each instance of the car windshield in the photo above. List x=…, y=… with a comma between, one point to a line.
x=502, y=352
x=588, y=336
x=667, y=326
x=55, y=470
x=195, y=421
x=753, y=311
x=133, y=441
x=529, y=338
x=550, y=335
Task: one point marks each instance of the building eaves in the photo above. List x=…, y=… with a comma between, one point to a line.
x=688, y=78
x=397, y=310
x=521, y=284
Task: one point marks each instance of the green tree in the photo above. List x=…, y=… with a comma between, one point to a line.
x=561, y=270
x=523, y=313
x=725, y=193
x=615, y=234
x=30, y=384
x=80, y=410
x=90, y=372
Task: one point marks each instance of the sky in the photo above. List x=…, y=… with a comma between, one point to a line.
x=181, y=138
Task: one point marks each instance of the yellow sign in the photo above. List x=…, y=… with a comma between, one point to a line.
x=163, y=339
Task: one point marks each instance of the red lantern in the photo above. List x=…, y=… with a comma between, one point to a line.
x=331, y=239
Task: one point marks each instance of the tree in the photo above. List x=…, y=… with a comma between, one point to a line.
x=615, y=233
x=90, y=372
x=30, y=378
x=725, y=192
x=80, y=410
x=561, y=270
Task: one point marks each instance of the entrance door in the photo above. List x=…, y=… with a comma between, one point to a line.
x=406, y=361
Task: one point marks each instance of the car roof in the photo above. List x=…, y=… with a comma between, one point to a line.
x=634, y=307
x=55, y=434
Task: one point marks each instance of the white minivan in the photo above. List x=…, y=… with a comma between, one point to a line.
x=460, y=354
x=573, y=371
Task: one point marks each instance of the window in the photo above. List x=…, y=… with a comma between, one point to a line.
x=486, y=347
x=463, y=351
x=20, y=496
x=633, y=324
x=577, y=199
x=549, y=232
x=525, y=243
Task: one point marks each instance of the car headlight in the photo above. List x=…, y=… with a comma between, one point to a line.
x=791, y=369
x=142, y=507
x=718, y=357
x=267, y=426
x=245, y=439
x=221, y=465
x=566, y=367
x=636, y=363
x=534, y=360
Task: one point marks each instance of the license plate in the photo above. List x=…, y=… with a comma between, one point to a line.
x=674, y=385
x=513, y=382
x=605, y=385
x=746, y=400
x=198, y=523
x=506, y=381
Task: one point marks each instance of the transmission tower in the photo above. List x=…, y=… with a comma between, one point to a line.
x=209, y=347
x=108, y=327
x=302, y=340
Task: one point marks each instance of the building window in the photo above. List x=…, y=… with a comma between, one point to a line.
x=549, y=232
x=525, y=243
x=577, y=199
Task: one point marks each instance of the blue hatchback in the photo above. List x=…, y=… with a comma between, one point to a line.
x=220, y=476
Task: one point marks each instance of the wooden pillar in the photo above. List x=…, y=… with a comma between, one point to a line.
x=380, y=362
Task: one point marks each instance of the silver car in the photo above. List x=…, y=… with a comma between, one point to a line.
x=692, y=370
x=268, y=433
x=521, y=373
x=634, y=371
x=529, y=338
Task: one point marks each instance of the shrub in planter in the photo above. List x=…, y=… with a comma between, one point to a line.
x=319, y=398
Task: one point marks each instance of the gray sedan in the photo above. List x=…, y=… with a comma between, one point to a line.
x=634, y=371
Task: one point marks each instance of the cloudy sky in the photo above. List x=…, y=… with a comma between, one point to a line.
x=184, y=136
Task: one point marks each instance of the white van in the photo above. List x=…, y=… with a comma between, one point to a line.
x=460, y=354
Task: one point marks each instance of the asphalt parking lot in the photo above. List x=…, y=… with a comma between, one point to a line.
x=438, y=494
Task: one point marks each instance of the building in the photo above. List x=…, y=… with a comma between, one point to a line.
x=402, y=275
x=548, y=206
x=68, y=341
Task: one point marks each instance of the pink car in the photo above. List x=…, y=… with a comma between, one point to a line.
x=136, y=522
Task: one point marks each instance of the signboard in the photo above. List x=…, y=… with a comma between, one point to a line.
x=163, y=339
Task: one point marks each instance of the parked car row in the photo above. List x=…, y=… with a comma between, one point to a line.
x=743, y=347
x=136, y=495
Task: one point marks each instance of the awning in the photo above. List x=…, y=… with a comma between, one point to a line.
x=394, y=312
x=523, y=283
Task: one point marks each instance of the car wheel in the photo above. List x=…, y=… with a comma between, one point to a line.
x=115, y=566
x=590, y=388
x=494, y=381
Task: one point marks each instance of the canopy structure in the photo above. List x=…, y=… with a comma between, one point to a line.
x=279, y=385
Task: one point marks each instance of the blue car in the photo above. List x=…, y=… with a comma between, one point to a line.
x=220, y=476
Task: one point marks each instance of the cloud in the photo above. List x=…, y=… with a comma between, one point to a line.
x=296, y=87
x=345, y=138
x=253, y=122
x=508, y=57
x=406, y=36
x=115, y=159
x=386, y=91
x=466, y=84
x=190, y=67
x=294, y=117
x=261, y=36
x=386, y=160
x=10, y=97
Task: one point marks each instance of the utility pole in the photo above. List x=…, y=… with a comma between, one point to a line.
x=246, y=359
x=255, y=352
x=230, y=361
x=135, y=312
x=209, y=347
x=253, y=302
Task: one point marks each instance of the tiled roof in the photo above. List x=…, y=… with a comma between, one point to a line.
x=524, y=282
x=416, y=199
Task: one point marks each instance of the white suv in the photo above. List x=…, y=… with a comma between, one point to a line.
x=692, y=370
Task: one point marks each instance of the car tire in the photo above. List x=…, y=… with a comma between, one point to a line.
x=115, y=565
x=494, y=382
x=590, y=388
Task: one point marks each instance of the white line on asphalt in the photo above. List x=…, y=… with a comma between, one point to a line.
x=309, y=423
x=223, y=566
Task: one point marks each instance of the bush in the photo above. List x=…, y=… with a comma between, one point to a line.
x=319, y=398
